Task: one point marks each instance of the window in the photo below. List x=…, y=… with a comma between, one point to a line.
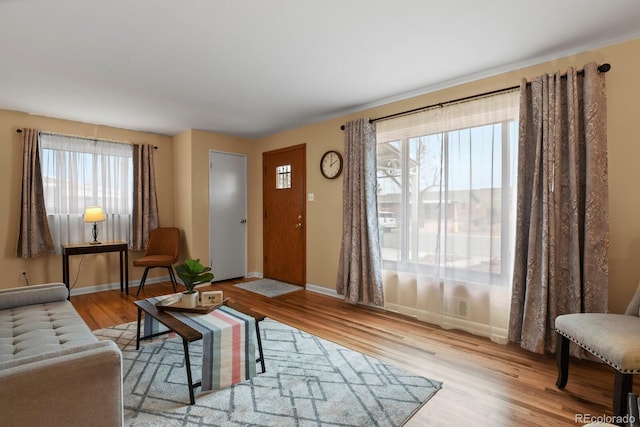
x=283, y=177
x=447, y=178
x=79, y=172
x=448, y=189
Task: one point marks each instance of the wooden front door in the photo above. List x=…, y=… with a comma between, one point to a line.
x=284, y=214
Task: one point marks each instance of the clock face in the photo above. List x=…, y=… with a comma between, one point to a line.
x=331, y=164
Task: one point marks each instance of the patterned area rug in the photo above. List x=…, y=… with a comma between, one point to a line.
x=269, y=287
x=309, y=382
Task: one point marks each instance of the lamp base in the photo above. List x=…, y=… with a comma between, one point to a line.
x=94, y=233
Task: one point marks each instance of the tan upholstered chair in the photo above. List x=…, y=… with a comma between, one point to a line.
x=162, y=251
x=613, y=338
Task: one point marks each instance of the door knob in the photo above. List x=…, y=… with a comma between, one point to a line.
x=298, y=225
x=243, y=221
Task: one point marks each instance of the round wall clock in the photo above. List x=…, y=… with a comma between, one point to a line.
x=331, y=164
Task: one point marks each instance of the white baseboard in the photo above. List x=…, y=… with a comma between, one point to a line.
x=254, y=274
x=116, y=286
x=322, y=290
x=135, y=284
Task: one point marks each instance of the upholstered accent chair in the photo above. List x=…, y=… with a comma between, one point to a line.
x=613, y=338
x=163, y=249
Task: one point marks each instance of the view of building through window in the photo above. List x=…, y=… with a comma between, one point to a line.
x=446, y=199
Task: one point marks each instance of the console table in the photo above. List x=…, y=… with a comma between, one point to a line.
x=87, y=248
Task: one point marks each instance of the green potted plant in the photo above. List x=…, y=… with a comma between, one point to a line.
x=193, y=273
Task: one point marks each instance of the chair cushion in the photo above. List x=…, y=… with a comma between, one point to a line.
x=614, y=338
x=154, y=261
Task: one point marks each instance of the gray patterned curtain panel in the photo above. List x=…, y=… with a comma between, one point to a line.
x=145, y=217
x=34, y=238
x=360, y=265
x=562, y=235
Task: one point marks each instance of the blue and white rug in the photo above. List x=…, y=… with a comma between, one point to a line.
x=308, y=381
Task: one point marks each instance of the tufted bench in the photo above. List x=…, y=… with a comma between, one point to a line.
x=40, y=328
x=613, y=338
x=53, y=370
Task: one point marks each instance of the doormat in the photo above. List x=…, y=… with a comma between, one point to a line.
x=269, y=287
x=309, y=381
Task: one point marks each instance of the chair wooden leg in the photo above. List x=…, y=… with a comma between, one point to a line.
x=144, y=277
x=623, y=385
x=562, y=360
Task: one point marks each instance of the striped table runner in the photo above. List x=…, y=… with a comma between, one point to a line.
x=228, y=344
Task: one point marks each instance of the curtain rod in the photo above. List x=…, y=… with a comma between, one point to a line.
x=84, y=137
x=603, y=68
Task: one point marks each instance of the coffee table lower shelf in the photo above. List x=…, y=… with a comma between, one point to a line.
x=189, y=334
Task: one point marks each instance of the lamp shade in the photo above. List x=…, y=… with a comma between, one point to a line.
x=94, y=214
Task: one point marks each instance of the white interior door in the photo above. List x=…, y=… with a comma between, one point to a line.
x=227, y=215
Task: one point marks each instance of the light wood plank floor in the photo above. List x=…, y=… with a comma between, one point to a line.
x=485, y=384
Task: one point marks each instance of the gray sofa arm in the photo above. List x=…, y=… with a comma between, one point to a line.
x=35, y=294
x=65, y=388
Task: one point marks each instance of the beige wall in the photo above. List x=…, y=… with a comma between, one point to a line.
x=96, y=269
x=324, y=215
x=183, y=179
x=182, y=202
x=196, y=175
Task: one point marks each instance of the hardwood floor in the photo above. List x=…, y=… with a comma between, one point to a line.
x=484, y=384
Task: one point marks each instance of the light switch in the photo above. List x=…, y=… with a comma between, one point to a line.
x=311, y=197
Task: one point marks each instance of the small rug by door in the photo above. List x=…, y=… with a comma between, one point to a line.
x=269, y=287
x=308, y=381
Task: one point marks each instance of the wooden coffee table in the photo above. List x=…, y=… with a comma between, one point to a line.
x=189, y=334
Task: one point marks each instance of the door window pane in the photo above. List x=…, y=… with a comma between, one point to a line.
x=283, y=177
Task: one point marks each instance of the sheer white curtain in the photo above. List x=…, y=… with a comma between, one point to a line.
x=79, y=172
x=446, y=177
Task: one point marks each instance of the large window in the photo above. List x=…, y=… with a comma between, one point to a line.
x=445, y=196
x=79, y=172
x=446, y=204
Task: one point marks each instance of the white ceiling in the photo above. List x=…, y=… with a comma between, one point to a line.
x=255, y=67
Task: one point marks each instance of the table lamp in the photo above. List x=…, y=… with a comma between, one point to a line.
x=94, y=214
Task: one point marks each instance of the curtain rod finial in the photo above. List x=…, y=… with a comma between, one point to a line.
x=604, y=67
x=342, y=127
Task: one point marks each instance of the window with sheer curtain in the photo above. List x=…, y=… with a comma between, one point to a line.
x=80, y=172
x=446, y=198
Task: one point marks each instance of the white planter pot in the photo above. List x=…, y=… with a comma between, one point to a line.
x=190, y=300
